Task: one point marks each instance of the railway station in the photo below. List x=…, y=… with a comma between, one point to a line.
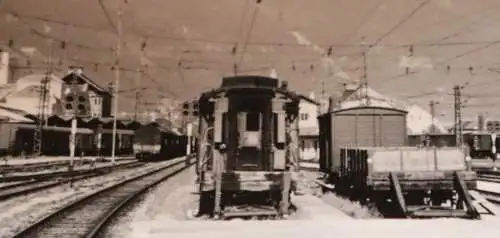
x=249, y=118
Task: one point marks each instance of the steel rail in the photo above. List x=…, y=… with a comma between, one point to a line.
x=52, y=174
x=493, y=197
x=34, y=167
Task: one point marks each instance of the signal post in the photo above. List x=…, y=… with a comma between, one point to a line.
x=189, y=112
x=76, y=105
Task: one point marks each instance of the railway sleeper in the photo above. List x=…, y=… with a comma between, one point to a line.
x=408, y=206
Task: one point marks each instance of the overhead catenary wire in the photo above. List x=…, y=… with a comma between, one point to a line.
x=416, y=44
x=249, y=33
x=399, y=24
x=230, y=44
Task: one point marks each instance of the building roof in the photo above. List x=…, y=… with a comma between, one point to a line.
x=309, y=100
x=13, y=115
x=81, y=77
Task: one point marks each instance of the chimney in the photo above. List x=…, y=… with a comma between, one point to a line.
x=349, y=89
x=480, y=122
x=311, y=95
x=4, y=68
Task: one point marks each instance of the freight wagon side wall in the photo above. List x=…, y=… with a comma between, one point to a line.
x=365, y=126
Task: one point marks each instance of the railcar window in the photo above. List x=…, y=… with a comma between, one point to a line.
x=253, y=121
x=485, y=142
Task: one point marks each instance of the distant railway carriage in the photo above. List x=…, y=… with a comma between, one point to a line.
x=481, y=145
x=17, y=139
x=248, y=129
x=155, y=141
x=364, y=151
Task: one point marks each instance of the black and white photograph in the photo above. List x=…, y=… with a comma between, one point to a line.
x=249, y=118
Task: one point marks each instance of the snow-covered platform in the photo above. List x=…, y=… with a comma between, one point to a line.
x=51, y=159
x=310, y=207
x=433, y=228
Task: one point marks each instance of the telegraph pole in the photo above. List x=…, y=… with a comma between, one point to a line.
x=458, y=115
x=117, y=83
x=432, y=108
x=136, y=108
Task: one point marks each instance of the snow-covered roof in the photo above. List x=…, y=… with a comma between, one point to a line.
x=369, y=97
x=13, y=115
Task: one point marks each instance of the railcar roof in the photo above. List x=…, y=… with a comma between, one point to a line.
x=248, y=82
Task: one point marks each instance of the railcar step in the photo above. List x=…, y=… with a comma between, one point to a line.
x=437, y=213
x=248, y=211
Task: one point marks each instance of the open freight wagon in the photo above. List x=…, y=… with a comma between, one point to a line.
x=418, y=182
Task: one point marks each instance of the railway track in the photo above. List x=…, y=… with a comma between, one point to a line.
x=489, y=178
x=62, y=172
x=24, y=188
x=88, y=216
x=36, y=167
x=492, y=177
x=493, y=197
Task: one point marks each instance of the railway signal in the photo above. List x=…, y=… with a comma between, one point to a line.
x=77, y=105
x=190, y=109
x=185, y=109
x=195, y=110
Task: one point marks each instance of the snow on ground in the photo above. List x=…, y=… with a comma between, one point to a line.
x=167, y=212
x=172, y=200
x=45, y=159
x=175, y=201
x=310, y=207
x=437, y=228
x=488, y=186
x=351, y=208
x=21, y=211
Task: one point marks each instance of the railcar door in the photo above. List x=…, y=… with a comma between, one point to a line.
x=249, y=120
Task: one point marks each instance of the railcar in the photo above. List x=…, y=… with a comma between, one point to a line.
x=364, y=151
x=248, y=147
x=155, y=142
x=481, y=145
x=17, y=139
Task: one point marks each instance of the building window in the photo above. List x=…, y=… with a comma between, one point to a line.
x=304, y=116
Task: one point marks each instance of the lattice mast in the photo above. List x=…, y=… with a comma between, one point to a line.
x=41, y=120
